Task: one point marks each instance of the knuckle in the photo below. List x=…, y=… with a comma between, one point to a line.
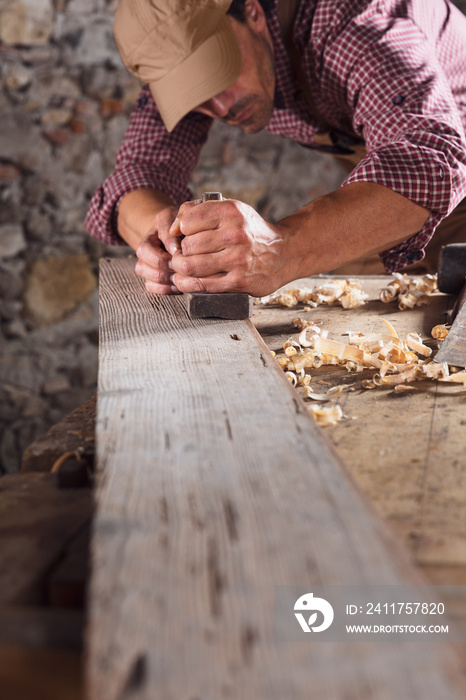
x=185, y=267
x=184, y=206
x=185, y=246
x=141, y=248
x=234, y=236
x=160, y=217
x=236, y=279
x=230, y=206
x=200, y=285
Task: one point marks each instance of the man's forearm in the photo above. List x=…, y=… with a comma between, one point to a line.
x=227, y=246
x=137, y=212
x=353, y=222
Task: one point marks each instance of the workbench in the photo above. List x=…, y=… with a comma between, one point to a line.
x=406, y=452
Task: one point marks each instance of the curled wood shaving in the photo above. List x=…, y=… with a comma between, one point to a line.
x=57, y=465
x=412, y=299
x=328, y=395
x=347, y=293
x=414, y=342
x=409, y=375
x=403, y=388
x=409, y=292
x=302, y=323
x=440, y=332
x=395, y=361
x=298, y=378
x=326, y=415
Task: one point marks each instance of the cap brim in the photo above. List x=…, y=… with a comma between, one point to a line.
x=209, y=70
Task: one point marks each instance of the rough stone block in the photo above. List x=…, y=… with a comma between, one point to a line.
x=26, y=22
x=56, y=286
x=12, y=240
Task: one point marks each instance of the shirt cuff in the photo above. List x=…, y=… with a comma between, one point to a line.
x=102, y=215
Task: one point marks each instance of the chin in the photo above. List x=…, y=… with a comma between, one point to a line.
x=256, y=123
x=252, y=128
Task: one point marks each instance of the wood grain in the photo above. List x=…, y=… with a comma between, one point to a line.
x=407, y=452
x=215, y=486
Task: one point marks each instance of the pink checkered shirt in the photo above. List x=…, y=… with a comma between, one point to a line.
x=390, y=74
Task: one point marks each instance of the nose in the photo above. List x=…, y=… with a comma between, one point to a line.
x=219, y=105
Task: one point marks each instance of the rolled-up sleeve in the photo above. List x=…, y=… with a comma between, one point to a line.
x=149, y=157
x=403, y=107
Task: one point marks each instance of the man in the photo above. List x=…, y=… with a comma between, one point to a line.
x=381, y=79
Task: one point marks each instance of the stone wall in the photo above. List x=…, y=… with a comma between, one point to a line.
x=64, y=105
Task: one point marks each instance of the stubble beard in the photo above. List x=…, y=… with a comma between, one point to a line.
x=263, y=102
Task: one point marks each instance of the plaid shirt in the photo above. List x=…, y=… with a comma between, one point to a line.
x=384, y=73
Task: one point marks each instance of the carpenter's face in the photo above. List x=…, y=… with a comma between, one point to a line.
x=248, y=103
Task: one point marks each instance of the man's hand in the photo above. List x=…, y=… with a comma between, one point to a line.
x=228, y=247
x=155, y=253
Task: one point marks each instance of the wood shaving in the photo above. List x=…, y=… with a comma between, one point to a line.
x=459, y=377
x=302, y=323
x=414, y=342
x=328, y=415
x=331, y=393
x=347, y=293
x=440, y=332
x=396, y=362
x=409, y=292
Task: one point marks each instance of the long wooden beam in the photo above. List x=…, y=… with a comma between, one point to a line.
x=215, y=488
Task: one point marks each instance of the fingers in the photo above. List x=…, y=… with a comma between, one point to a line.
x=226, y=247
x=215, y=283
x=163, y=223
x=157, y=274
x=217, y=272
x=194, y=217
x=205, y=265
x=154, y=263
x=211, y=251
x=150, y=250
x=205, y=242
x=155, y=288
x=175, y=229
x=156, y=281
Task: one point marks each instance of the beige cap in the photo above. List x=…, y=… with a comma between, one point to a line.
x=185, y=50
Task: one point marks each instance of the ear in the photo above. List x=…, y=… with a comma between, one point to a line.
x=255, y=15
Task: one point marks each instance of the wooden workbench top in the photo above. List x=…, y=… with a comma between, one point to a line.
x=216, y=487
x=407, y=451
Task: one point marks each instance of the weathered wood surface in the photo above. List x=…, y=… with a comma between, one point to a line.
x=41, y=646
x=215, y=487
x=38, y=522
x=408, y=451
x=74, y=432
